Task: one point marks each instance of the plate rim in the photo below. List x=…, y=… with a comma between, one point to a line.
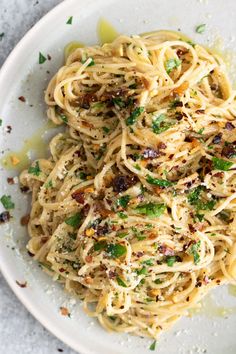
x=7, y=274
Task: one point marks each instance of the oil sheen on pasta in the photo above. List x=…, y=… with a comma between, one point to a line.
x=134, y=211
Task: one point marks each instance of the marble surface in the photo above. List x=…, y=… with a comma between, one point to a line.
x=19, y=331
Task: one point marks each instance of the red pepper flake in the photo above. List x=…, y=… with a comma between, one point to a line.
x=229, y=126
x=25, y=220
x=24, y=189
x=4, y=217
x=61, y=270
x=8, y=129
x=22, y=99
x=64, y=311
x=167, y=251
x=78, y=196
x=49, y=57
x=187, y=299
x=10, y=180
x=89, y=259
x=21, y=285
x=206, y=280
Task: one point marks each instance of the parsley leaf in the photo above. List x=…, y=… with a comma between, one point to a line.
x=7, y=202
x=123, y=201
x=159, y=125
x=172, y=64
x=194, y=251
x=106, y=130
x=134, y=115
x=42, y=58
x=119, y=102
x=69, y=21
x=115, y=250
x=121, y=282
x=151, y=209
x=201, y=28
x=0, y=122
x=170, y=260
x=194, y=199
x=153, y=345
x=142, y=271
x=74, y=220
x=64, y=118
x=159, y=182
x=35, y=170
x=91, y=62
x=148, y=262
x=101, y=245
x=122, y=215
x=48, y=184
x=220, y=164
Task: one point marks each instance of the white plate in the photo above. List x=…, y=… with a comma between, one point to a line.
x=23, y=76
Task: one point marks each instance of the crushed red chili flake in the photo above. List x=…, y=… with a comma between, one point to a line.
x=187, y=299
x=122, y=183
x=25, y=220
x=89, y=259
x=22, y=99
x=229, y=126
x=61, y=270
x=4, y=217
x=111, y=274
x=10, y=180
x=167, y=251
x=64, y=311
x=21, y=285
x=49, y=57
x=8, y=129
x=78, y=196
x=139, y=254
x=24, y=189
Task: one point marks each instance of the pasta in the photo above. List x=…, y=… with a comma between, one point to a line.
x=135, y=210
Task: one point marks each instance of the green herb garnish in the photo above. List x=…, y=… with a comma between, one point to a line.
x=82, y=176
x=123, y=201
x=101, y=245
x=69, y=21
x=116, y=250
x=159, y=125
x=35, y=170
x=158, y=281
x=163, y=183
x=201, y=28
x=153, y=345
x=106, y=130
x=0, y=122
x=7, y=202
x=142, y=271
x=170, y=260
x=134, y=115
x=48, y=184
x=172, y=64
x=74, y=220
x=148, y=262
x=119, y=102
x=220, y=164
x=151, y=209
x=91, y=62
x=194, y=251
x=42, y=58
x=64, y=118
x=122, y=215
x=121, y=282
x=2, y=35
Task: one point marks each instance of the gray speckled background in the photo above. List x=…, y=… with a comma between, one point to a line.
x=19, y=331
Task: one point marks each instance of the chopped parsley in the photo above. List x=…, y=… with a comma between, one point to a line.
x=121, y=282
x=42, y=58
x=101, y=245
x=119, y=102
x=91, y=62
x=151, y=209
x=122, y=215
x=0, y=122
x=82, y=176
x=35, y=170
x=69, y=21
x=137, y=167
x=201, y=28
x=159, y=125
x=134, y=115
x=64, y=118
x=148, y=262
x=172, y=64
x=123, y=201
x=170, y=260
x=220, y=164
x=153, y=345
x=142, y=271
x=194, y=251
x=133, y=86
x=163, y=183
x=106, y=130
x=7, y=202
x=116, y=250
x=201, y=131
x=74, y=220
x=195, y=200
x=158, y=281
x=48, y=184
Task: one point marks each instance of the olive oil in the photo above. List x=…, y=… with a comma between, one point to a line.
x=106, y=32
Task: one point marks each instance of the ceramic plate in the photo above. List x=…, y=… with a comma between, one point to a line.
x=211, y=331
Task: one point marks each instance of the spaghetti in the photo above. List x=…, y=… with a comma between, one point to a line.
x=135, y=210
